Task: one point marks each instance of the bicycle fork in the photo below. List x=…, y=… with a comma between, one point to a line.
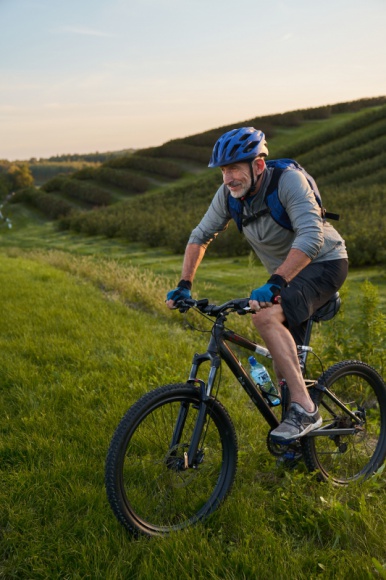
x=191, y=456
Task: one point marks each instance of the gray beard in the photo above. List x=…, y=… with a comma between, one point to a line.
x=240, y=194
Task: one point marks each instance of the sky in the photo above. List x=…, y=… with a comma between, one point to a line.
x=80, y=76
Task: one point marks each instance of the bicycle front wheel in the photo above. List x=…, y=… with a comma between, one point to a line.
x=150, y=487
x=343, y=458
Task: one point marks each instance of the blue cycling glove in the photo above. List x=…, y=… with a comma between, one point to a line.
x=182, y=292
x=270, y=290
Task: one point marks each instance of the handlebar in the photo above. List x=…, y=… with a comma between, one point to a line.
x=239, y=305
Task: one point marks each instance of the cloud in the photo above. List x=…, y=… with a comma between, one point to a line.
x=83, y=31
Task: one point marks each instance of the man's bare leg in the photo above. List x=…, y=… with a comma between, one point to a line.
x=269, y=322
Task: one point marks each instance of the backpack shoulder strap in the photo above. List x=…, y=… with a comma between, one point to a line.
x=235, y=208
x=278, y=212
x=271, y=197
x=274, y=206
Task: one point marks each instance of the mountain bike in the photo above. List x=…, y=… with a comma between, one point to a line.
x=173, y=457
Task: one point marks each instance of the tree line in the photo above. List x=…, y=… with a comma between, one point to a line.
x=14, y=177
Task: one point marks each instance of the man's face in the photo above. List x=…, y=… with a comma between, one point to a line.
x=237, y=177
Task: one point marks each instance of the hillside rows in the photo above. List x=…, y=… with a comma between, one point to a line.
x=155, y=196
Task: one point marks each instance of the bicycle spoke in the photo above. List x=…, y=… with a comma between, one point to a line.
x=149, y=487
x=344, y=458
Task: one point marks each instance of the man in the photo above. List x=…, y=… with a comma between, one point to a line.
x=307, y=261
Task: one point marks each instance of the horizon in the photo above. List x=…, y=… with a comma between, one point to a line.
x=135, y=74
x=65, y=153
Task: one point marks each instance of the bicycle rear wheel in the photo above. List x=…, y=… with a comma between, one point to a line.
x=149, y=486
x=346, y=458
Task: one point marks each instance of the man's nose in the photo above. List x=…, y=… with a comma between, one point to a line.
x=227, y=175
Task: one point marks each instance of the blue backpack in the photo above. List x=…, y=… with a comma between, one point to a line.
x=274, y=206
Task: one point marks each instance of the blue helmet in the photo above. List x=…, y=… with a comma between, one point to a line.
x=243, y=144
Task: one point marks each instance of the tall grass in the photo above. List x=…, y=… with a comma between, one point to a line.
x=81, y=339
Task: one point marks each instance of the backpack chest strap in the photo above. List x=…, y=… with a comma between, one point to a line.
x=255, y=216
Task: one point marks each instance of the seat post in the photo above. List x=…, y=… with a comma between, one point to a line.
x=303, y=352
x=307, y=336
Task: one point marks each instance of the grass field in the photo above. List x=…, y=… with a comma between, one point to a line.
x=84, y=333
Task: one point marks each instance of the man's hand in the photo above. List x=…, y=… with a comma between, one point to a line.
x=265, y=296
x=182, y=292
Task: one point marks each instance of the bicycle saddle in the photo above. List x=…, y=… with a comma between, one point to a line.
x=328, y=310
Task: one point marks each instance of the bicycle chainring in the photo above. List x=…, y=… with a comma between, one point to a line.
x=289, y=451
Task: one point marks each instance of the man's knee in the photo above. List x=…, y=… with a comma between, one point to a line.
x=267, y=316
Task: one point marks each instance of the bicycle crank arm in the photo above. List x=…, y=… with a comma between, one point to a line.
x=332, y=432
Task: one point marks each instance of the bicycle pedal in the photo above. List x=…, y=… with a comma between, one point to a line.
x=283, y=442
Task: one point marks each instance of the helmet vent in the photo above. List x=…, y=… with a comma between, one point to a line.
x=250, y=146
x=238, y=145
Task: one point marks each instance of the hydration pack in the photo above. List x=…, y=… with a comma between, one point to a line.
x=274, y=206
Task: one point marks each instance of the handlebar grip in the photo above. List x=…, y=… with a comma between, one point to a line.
x=243, y=303
x=184, y=305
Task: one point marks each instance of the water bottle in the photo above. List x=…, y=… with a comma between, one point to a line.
x=261, y=377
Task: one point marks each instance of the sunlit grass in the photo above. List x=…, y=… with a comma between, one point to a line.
x=75, y=356
x=84, y=333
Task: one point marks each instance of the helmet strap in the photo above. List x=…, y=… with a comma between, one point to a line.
x=254, y=182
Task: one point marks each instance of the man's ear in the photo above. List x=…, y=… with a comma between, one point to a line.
x=259, y=164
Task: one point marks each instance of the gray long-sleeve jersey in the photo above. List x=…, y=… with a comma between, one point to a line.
x=270, y=241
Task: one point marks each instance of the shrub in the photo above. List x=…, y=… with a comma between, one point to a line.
x=147, y=165
x=50, y=205
x=180, y=150
x=122, y=178
x=78, y=190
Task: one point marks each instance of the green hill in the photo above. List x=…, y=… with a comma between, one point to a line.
x=86, y=333
x=156, y=195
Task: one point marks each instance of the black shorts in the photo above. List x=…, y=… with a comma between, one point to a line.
x=310, y=290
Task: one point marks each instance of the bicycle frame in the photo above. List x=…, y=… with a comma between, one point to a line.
x=218, y=350
x=173, y=457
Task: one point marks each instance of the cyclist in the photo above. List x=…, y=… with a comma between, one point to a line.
x=307, y=263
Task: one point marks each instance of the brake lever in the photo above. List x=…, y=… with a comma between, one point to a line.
x=243, y=307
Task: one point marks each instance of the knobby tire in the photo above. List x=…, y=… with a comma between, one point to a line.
x=148, y=489
x=346, y=458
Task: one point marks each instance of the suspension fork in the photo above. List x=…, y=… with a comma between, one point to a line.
x=205, y=394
